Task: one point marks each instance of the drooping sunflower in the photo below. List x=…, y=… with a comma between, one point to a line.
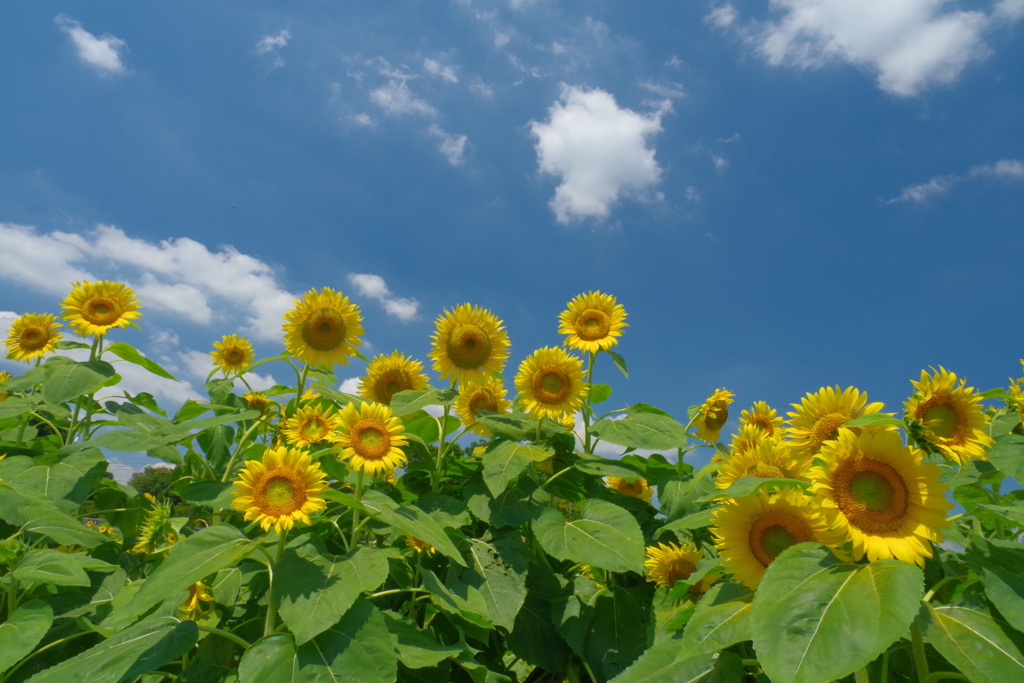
x=258, y=401
x=668, y=563
x=469, y=342
x=713, y=414
x=387, y=375
x=192, y=608
x=418, y=545
x=476, y=395
x=819, y=416
x=762, y=416
x=752, y=531
x=638, y=488
x=880, y=493
x=748, y=436
x=323, y=328
x=372, y=438
x=32, y=335
x=767, y=460
x=282, y=489
x=950, y=416
x=592, y=322
x=92, y=308
x=311, y=424
x=232, y=354
x=550, y=383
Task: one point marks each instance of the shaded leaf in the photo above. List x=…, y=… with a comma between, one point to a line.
x=67, y=381
x=50, y=566
x=973, y=642
x=504, y=462
x=642, y=430
x=417, y=647
x=20, y=634
x=604, y=536
x=129, y=353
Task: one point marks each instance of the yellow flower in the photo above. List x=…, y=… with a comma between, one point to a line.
x=92, y=308
x=323, y=328
x=311, y=424
x=4, y=376
x=748, y=436
x=592, y=321
x=950, y=416
x=752, y=531
x=32, y=335
x=388, y=375
x=764, y=418
x=418, y=545
x=283, y=489
x=1016, y=401
x=257, y=401
x=713, y=415
x=819, y=416
x=880, y=493
x=470, y=342
x=477, y=395
x=668, y=562
x=550, y=383
x=232, y=354
x=637, y=488
x=372, y=438
x=192, y=608
x=768, y=460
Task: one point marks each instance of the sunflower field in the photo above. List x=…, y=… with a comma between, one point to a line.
x=471, y=532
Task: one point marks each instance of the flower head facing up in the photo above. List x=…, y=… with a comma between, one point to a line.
x=282, y=489
x=881, y=494
x=668, y=563
x=765, y=419
x=371, y=439
x=323, y=328
x=819, y=416
x=950, y=415
x=232, y=354
x=311, y=424
x=747, y=437
x=550, y=383
x=92, y=308
x=713, y=414
x=592, y=322
x=470, y=342
x=32, y=335
x=388, y=375
x=476, y=395
x=638, y=488
x=767, y=460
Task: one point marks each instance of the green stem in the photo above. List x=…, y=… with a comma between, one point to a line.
x=556, y=476
x=750, y=663
x=302, y=384
x=942, y=582
x=948, y=675
x=588, y=447
x=399, y=590
x=50, y=424
x=355, y=513
x=225, y=634
x=883, y=677
x=590, y=672
x=238, y=449
x=268, y=627
x=442, y=428
x=679, y=464
x=920, y=658
x=4, y=679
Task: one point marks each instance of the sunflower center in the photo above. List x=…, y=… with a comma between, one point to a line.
x=235, y=356
x=101, y=311
x=324, y=329
x=592, y=325
x=775, y=531
x=482, y=400
x=717, y=416
x=370, y=440
x=765, y=470
x=871, y=494
x=679, y=570
x=551, y=384
x=764, y=424
x=468, y=347
x=943, y=419
x=630, y=488
x=280, y=492
x=33, y=338
x=314, y=429
x=826, y=428
x=389, y=384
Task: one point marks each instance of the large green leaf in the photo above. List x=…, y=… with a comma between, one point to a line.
x=316, y=588
x=66, y=381
x=129, y=353
x=518, y=426
x=515, y=506
x=603, y=467
x=744, y=486
x=974, y=642
x=805, y=605
x=269, y=660
x=411, y=520
x=358, y=649
x=642, y=430
x=133, y=440
x=20, y=634
x=664, y=663
x=1002, y=574
x=132, y=651
x=722, y=618
x=618, y=634
x=213, y=494
x=417, y=647
x=457, y=597
x=505, y=461
x=67, y=482
x=411, y=400
x=604, y=536
x=1007, y=454
x=534, y=638
x=499, y=573
x=15, y=406
x=63, y=529
x=50, y=566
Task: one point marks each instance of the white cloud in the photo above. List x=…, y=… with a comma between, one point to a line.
x=396, y=98
x=674, y=61
x=600, y=151
x=350, y=385
x=403, y=309
x=924, y=191
x=520, y=4
x=363, y=120
x=374, y=287
x=453, y=147
x=667, y=90
x=436, y=68
x=692, y=194
x=270, y=43
x=481, y=89
x=1010, y=9
x=42, y=261
x=719, y=162
x=502, y=38
x=722, y=16
x=1012, y=169
x=185, y=300
x=103, y=53
x=1004, y=169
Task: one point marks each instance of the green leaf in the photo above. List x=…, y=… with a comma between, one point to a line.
x=129, y=353
x=619, y=632
x=62, y=528
x=603, y=467
x=15, y=406
x=534, y=637
x=1002, y=574
x=517, y=426
x=806, y=602
x=515, y=506
x=874, y=420
x=411, y=400
x=457, y=597
x=722, y=618
x=506, y=460
x=974, y=642
x=68, y=482
x=66, y=381
x=642, y=430
x=605, y=536
x=23, y=631
x=620, y=363
x=1003, y=424
x=417, y=647
x=500, y=576
x=190, y=409
x=269, y=660
x=130, y=652
x=50, y=566
x=599, y=393
x=213, y=494
x=744, y=486
x=664, y=663
x=411, y=520
x=422, y=425
x=698, y=520
x=317, y=588
x=1007, y=454
x=358, y=649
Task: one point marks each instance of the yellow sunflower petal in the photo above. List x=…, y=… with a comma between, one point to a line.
x=950, y=416
x=92, y=308
x=550, y=383
x=323, y=328
x=592, y=322
x=281, y=488
x=371, y=439
x=469, y=343
x=476, y=395
x=32, y=335
x=388, y=375
x=232, y=354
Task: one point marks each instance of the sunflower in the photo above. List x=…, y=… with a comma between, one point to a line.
x=819, y=416
x=753, y=530
x=668, y=563
x=550, y=383
x=418, y=545
x=232, y=354
x=32, y=335
x=281, y=490
x=387, y=375
x=192, y=608
x=470, y=342
x=323, y=328
x=311, y=424
x=151, y=534
x=950, y=416
x=880, y=492
x=372, y=437
x=762, y=416
x=713, y=414
x=767, y=460
x=1015, y=402
x=477, y=395
x=637, y=488
x=92, y=308
x=258, y=401
x=748, y=436
x=592, y=321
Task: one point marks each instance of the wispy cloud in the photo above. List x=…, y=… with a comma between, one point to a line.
x=269, y=45
x=439, y=70
x=374, y=287
x=103, y=53
x=396, y=98
x=1004, y=169
x=453, y=147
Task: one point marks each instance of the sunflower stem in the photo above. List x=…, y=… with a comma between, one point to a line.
x=269, y=625
x=883, y=676
x=302, y=384
x=588, y=447
x=225, y=634
x=442, y=430
x=356, y=526
x=238, y=449
x=920, y=658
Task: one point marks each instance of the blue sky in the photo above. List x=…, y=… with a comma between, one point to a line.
x=783, y=195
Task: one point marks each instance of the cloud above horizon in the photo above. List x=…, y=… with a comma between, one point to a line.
x=102, y=54
x=1004, y=169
